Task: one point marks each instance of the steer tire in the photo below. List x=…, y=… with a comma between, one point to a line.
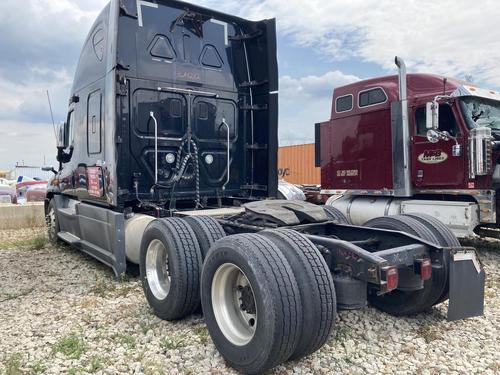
x=179, y=297
x=446, y=238
x=52, y=224
x=207, y=231
x=253, y=337
x=400, y=302
x=335, y=215
x=316, y=288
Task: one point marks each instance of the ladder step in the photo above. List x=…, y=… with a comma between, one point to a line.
x=254, y=187
x=253, y=83
x=256, y=146
x=68, y=237
x=244, y=37
x=256, y=107
x=70, y=211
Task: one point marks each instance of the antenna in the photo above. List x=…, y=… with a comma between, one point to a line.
x=52, y=115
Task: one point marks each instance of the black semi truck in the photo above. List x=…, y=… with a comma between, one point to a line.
x=168, y=160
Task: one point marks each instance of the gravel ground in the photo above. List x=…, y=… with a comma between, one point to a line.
x=63, y=312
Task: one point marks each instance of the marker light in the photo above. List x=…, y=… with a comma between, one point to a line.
x=389, y=279
x=423, y=267
x=392, y=278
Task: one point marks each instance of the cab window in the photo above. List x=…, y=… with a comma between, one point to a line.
x=447, y=121
x=372, y=97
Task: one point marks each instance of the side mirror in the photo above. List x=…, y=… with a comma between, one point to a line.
x=433, y=136
x=61, y=135
x=432, y=115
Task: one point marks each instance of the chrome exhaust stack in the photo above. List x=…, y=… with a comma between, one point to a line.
x=401, y=137
x=403, y=93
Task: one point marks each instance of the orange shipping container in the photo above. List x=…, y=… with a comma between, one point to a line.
x=296, y=165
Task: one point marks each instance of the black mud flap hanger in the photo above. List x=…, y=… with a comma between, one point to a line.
x=467, y=279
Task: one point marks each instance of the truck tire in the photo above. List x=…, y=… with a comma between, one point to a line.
x=52, y=224
x=400, y=302
x=403, y=224
x=207, y=231
x=317, y=291
x=444, y=234
x=251, y=302
x=335, y=215
x=170, y=266
x=446, y=238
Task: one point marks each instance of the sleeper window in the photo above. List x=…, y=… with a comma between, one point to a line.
x=344, y=104
x=372, y=97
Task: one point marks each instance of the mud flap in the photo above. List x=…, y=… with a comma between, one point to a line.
x=467, y=279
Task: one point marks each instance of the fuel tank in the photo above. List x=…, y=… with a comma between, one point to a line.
x=461, y=217
x=359, y=210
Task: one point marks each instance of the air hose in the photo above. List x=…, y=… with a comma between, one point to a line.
x=182, y=166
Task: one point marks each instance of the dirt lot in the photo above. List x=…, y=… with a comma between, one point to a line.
x=62, y=312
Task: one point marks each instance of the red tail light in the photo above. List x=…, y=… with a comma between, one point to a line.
x=423, y=267
x=392, y=278
x=389, y=279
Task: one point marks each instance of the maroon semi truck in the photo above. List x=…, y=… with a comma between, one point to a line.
x=413, y=143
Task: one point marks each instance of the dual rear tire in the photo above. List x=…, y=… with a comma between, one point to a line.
x=170, y=265
x=435, y=290
x=266, y=298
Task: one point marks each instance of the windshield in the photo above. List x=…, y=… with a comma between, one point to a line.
x=481, y=112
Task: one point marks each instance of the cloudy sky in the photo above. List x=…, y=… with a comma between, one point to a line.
x=322, y=44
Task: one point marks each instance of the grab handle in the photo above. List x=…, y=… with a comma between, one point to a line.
x=152, y=115
x=228, y=153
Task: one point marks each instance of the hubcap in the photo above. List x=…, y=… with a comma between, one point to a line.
x=233, y=303
x=157, y=269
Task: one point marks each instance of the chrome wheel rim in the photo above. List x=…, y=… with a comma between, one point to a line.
x=157, y=269
x=233, y=303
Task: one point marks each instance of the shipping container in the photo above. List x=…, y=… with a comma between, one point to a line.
x=296, y=164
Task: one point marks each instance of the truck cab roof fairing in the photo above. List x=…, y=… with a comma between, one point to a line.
x=196, y=69
x=93, y=62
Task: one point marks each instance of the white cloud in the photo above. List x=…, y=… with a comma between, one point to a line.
x=40, y=42
x=444, y=37
x=27, y=101
x=24, y=142
x=305, y=101
x=313, y=86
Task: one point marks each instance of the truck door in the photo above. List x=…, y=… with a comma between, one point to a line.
x=433, y=164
